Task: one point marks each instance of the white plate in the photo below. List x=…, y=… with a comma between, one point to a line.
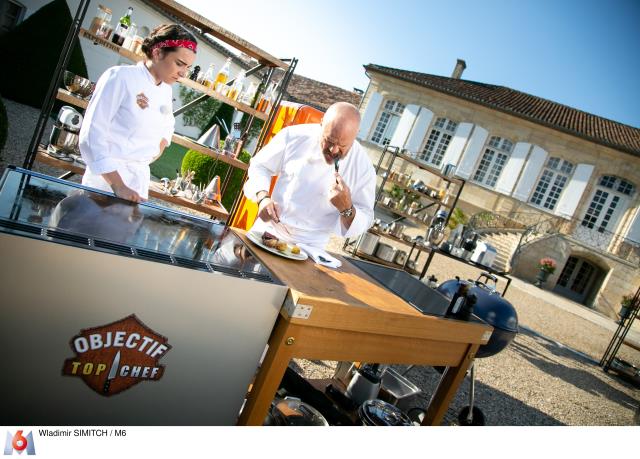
x=257, y=240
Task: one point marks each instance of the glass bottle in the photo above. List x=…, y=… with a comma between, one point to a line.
x=131, y=34
x=248, y=96
x=231, y=140
x=266, y=100
x=123, y=28
x=223, y=75
x=193, y=76
x=207, y=80
x=238, y=85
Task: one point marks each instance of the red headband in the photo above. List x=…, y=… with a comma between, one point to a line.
x=192, y=45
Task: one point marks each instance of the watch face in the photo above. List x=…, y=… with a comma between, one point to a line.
x=347, y=212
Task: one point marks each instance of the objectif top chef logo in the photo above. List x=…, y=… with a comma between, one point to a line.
x=113, y=357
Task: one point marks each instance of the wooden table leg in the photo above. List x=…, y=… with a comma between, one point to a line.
x=270, y=374
x=447, y=389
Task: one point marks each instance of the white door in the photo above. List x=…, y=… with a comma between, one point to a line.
x=576, y=280
x=597, y=226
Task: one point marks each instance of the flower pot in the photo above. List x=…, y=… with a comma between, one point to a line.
x=624, y=312
x=541, y=278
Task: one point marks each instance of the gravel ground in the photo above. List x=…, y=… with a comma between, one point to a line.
x=538, y=380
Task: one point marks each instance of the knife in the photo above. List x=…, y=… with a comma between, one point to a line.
x=113, y=372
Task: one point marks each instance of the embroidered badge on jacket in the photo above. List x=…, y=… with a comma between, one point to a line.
x=142, y=101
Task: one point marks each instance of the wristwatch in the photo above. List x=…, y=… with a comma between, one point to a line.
x=347, y=212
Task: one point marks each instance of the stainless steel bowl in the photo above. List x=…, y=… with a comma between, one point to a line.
x=78, y=85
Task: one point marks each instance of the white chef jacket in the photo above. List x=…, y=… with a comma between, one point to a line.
x=302, y=189
x=117, y=134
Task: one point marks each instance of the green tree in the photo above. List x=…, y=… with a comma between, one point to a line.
x=208, y=112
x=206, y=168
x=30, y=53
x=202, y=115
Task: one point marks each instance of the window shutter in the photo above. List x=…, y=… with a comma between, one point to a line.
x=512, y=169
x=405, y=124
x=416, y=137
x=634, y=229
x=470, y=155
x=573, y=191
x=529, y=176
x=457, y=144
x=369, y=116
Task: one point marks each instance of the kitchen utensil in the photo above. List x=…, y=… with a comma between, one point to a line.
x=400, y=258
x=396, y=229
x=385, y=252
x=364, y=385
x=398, y=390
x=69, y=118
x=78, y=85
x=292, y=411
x=369, y=243
x=380, y=413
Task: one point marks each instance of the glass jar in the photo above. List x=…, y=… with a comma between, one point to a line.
x=103, y=14
x=105, y=30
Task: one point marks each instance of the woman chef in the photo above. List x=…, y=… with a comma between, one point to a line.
x=129, y=120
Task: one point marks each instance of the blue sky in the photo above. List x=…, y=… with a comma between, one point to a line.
x=585, y=54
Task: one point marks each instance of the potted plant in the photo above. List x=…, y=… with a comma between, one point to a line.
x=625, y=306
x=546, y=267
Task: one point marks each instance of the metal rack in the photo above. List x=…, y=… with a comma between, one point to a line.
x=624, y=325
x=266, y=63
x=392, y=153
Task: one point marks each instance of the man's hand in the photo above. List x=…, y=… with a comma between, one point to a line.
x=269, y=210
x=340, y=195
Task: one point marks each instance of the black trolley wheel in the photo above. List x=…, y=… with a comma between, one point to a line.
x=477, y=417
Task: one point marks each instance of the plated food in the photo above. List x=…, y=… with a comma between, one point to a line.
x=273, y=242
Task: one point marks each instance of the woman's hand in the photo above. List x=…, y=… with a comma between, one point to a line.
x=124, y=192
x=120, y=189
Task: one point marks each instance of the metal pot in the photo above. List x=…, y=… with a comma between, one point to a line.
x=385, y=252
x=369, y=243
x=379, y=413
x=63, y=139
x=294, y=412
x=400, y=258
x=396, y=229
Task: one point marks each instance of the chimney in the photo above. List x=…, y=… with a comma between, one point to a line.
x=460, y=66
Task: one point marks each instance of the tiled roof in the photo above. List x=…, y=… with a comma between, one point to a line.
x=536, y=109
x=317, y=94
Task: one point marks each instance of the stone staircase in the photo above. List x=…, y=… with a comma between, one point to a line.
x=505, y=241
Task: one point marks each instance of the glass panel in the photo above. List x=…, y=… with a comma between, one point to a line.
x=53, y=204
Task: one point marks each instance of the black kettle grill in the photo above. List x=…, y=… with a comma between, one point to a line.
x=491, y=308
x=497, y=312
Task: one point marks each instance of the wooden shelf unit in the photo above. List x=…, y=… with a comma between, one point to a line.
x=184, y=81
x=186, y=142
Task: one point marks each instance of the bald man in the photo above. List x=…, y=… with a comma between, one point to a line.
x=326, y=181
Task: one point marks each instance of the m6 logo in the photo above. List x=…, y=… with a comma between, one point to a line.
x=19, y=443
